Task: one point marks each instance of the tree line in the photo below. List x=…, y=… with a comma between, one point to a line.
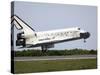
x=65, y=52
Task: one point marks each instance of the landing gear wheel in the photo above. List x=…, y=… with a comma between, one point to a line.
x=44, y=49
x=84, y=40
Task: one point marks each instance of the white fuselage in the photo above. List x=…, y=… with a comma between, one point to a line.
x=53, y=36
x=46, y=39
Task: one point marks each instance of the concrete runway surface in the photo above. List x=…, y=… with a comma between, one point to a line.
x=55, y=57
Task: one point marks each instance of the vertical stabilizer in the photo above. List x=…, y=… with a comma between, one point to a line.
x=21, y=25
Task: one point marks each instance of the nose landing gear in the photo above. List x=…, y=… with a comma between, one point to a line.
x=85, y=36
x=84, y=40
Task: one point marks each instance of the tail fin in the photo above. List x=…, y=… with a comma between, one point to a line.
x=21, y=25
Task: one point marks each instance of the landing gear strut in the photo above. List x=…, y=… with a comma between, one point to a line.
x=84, y=40
x=44, y=48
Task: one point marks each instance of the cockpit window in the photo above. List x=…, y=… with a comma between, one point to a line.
x=78, y=28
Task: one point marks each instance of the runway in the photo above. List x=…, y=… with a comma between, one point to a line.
x=55, y=57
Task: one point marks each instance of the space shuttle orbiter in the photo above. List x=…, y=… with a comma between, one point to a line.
x=28, y=37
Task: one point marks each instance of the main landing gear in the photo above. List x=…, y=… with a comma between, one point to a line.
x=44, y=48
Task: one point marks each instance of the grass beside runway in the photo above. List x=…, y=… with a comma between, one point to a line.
x=54, y=65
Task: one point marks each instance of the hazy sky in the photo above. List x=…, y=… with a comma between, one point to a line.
x=46, y=16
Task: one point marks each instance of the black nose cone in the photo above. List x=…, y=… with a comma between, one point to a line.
x=85, y=35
